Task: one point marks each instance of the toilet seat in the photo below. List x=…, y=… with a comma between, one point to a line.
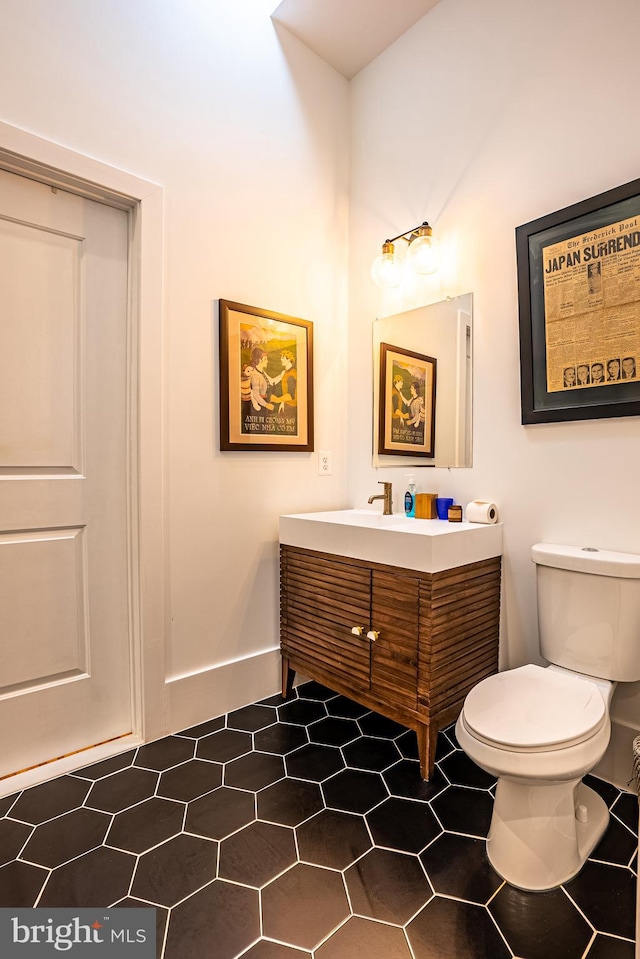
x=533, y=709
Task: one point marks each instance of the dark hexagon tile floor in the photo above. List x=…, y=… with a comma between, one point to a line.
x=314, y=762
x=257, y=853
x=302, y=830
x=190, y=780
x=66, y=837
x=387, y=885
x=304, y=905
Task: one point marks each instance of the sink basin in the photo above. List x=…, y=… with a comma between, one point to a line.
x=428, y=545
x=372, y=519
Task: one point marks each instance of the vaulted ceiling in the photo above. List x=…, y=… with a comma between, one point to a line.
x=349, y=34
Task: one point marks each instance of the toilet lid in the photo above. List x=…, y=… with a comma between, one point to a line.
x=532, y=708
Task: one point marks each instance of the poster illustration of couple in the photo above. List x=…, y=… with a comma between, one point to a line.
x=269, y=402
x=266, y=375
x=407, y=402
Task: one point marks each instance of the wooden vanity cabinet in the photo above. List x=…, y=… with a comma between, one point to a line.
x=407, y=644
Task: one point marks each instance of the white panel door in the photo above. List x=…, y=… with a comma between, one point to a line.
x=65, y=652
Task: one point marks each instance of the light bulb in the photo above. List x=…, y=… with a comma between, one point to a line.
x=422, y=253
x=386, y=270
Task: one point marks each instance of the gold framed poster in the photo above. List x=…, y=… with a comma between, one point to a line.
x=266, y=380
x=407, y=402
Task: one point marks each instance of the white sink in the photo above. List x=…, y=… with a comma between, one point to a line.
x=428, y=545
x=358, y=517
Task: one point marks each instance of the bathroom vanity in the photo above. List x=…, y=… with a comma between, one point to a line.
x=401, y=615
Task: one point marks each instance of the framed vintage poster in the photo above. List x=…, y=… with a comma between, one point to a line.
x=266, y=380
x=579, y=306
x=407, y=402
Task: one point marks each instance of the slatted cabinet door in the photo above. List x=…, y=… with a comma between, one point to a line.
x=322, y=601
x=394, y=651
x=459, y=619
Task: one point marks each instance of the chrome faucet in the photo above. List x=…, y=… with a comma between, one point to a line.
x=387, y=496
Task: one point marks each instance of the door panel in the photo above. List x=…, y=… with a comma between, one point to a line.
x=65, y=682
x=39, y=347
x=43, y=641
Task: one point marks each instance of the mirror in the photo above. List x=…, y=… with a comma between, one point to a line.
x=444, y=332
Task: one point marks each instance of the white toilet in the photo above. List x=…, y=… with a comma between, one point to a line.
x=539, y=730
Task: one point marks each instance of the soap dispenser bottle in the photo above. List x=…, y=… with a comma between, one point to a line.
x=410, y=496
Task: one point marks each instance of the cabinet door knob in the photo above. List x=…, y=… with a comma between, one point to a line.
x=357, y=630
x=373, y=634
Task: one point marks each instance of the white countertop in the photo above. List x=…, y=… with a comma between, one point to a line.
x=427, y=545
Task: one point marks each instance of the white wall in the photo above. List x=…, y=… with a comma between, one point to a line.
x=482, y=117
x=247, y=132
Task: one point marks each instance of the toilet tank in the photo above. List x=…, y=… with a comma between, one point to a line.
x=589, y=610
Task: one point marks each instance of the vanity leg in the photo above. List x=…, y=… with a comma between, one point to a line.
x=427, y=734
x=288, y=676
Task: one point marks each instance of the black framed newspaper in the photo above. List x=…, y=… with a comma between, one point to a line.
x=579, y=309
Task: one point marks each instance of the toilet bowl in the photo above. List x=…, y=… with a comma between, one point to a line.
x=539, y=730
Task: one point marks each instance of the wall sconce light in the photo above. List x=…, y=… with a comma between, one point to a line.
x=386, y=270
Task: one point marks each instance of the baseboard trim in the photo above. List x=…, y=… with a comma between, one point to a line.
x=68, y=764
x=194, y=699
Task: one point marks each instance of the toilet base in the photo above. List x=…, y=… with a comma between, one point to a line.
x=536, y=840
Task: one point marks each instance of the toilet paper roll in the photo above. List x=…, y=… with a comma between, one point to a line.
x=480, y=511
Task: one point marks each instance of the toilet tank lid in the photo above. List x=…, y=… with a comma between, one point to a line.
x=587, y=559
